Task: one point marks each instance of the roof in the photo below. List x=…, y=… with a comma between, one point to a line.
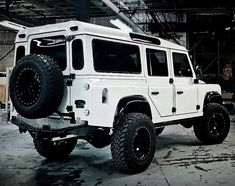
x=77, y=27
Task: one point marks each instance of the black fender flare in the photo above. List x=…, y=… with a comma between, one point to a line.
x=135, y=103
x=213, y=97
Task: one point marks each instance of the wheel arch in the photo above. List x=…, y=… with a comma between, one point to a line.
x=135, y=103
x=212, y=97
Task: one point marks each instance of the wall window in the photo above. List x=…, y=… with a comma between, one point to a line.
x=54, y=47
x=77, y=54
x=181, y=65
x=113, y=57
x=157, y=62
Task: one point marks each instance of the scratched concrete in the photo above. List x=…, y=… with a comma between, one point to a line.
x=179, y=160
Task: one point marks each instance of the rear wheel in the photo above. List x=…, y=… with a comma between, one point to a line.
x=54, y=150
x=214, y=126
x=133, y=143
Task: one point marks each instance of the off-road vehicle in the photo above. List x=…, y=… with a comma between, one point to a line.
x=76, y=80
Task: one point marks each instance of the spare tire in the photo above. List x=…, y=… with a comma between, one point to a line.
x=36, y=86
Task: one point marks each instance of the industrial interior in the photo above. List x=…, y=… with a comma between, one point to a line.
x=206, y=28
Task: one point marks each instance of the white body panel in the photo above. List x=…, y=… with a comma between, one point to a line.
x=161, y=95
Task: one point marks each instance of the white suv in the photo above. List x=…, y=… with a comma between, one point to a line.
x=76, y=80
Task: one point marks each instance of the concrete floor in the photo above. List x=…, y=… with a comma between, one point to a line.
x=179, y=160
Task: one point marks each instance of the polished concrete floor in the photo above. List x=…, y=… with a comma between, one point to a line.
x=179, y=160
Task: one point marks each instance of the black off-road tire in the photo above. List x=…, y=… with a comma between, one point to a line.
x=158, y=131
x=214, y=126
x=133, y=143
x=36, y=86
x=54, y=150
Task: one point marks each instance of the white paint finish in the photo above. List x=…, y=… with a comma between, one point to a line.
x=185, y=95
x=120, y=85
x=87, y=28
x=163, y=100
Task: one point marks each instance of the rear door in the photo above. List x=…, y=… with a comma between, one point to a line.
x=56, y=46
x=160, y=86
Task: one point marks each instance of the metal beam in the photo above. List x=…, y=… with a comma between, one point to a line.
x=133, y=25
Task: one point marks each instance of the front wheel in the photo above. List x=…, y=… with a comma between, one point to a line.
x=133, y=143
x=214, y=126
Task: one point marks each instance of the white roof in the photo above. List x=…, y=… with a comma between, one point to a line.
x=87, y=28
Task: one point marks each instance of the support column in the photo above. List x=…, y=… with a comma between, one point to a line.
x=83, y=10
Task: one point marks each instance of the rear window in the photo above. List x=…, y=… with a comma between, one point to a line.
x=113, y=57
x=54, y=47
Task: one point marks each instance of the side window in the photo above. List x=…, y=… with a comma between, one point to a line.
x=77, y=54
x=20, y=52
x=181, y=65
x=54, y=47
x=157, y=62
x=113, y=57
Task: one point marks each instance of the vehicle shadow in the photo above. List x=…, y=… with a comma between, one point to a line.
x=90, y=166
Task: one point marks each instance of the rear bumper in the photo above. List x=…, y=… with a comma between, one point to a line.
x=53, y=127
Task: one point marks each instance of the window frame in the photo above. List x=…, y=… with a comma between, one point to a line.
x=32, y=38
x=148, y=63
x=118, y=42
x=189, y=63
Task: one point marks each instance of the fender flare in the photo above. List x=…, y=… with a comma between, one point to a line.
x=135, y=103
x=213, y=97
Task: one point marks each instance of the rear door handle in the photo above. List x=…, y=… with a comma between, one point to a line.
x=155, y=93
x=180, y=92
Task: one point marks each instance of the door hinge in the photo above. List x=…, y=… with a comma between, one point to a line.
x=69, y=108
x=70, y=78
x=198, y=107
x=173, y=109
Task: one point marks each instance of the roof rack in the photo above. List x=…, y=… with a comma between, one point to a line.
x=146, y=38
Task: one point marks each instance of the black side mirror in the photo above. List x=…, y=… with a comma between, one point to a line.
x=198, y=71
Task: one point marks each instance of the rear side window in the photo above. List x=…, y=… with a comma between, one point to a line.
x=113, y=57
x=77, y=54
x=54, y=47
x=20, y=52
x=181, y=65
x=157, y=62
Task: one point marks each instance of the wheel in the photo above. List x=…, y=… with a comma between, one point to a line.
x=158, y=131
x=133, y=143
x=214, y=126
x=36, y=86
x=54, y=150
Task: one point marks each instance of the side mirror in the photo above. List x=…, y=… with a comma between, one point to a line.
x=198, y=71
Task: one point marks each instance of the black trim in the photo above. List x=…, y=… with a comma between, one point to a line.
x=176, y=122
x=80, y=103
x=135, y=103
x=171, y=80
x=70, y=76
x=213, y=97
x=69, y=108
x=26, y=127
x=22, y=36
